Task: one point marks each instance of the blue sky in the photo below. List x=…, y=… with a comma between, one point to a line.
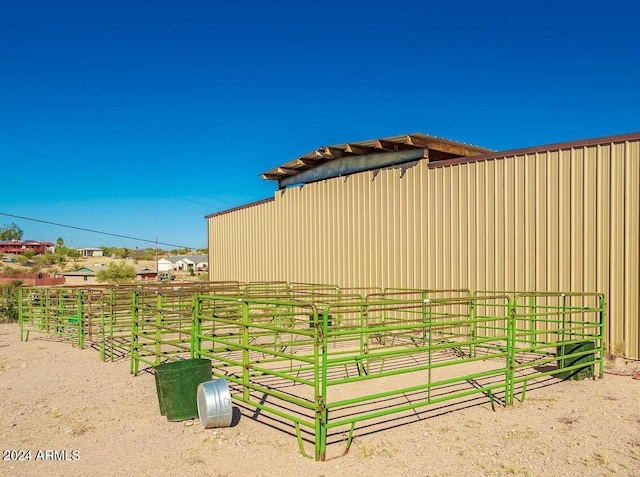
x=139, y=118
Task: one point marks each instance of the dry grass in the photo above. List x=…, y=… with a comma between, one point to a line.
x=569, y=419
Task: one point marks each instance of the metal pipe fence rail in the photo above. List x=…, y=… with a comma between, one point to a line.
x=161, y=327
x=53, y=311
x=98, y=315
x=106, y=312
x=106, y=317
x=312, y=363
x=160, y=322
x=311, y=354
x=297, y=370
x=115, y=323
x=558, y=335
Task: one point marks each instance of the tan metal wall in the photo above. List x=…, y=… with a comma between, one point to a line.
x=558, y=220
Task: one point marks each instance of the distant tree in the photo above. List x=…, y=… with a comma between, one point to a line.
x=46, y=259
x=73, y=253
x=148, y=254
x=29, y=254
x=60, y=242
x=10, y=232
x=180, y=251
x=113, y=252
x=21, y=259
x=110, y=252
x=117, y=273
x=61, y=259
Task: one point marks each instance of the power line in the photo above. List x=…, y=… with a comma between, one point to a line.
x=94, y=231
x=209, y=206
x=233, y=204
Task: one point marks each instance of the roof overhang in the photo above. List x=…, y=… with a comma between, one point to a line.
x=343, y=159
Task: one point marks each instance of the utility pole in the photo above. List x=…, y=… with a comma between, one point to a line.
x=157, y=255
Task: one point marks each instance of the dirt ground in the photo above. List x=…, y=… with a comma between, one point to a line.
x=79, y=416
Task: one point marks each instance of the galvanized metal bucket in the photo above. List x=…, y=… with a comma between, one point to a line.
x=214, y=404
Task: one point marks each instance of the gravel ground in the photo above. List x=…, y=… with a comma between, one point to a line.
x=78, y=416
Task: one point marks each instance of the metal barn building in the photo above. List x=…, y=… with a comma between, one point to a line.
x=423, y=212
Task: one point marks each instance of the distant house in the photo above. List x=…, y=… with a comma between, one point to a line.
x=146, y=275
x=20, y=247
x=184, y=263
x=197, y=263
x=81, y=276
x=87, y=276
x=167, y=264
x=90, y=252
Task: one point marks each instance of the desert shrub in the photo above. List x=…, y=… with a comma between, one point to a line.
x=9, y=304
x=117, y=273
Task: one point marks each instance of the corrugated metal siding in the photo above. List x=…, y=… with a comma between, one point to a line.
x=559, y=220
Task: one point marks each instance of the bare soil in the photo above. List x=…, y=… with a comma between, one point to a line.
x=95, y=418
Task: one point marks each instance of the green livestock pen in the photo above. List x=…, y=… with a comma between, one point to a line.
x=315, y=362
x=328, y=363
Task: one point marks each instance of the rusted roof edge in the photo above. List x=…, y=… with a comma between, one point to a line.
x=532, y=150
x=414, y=140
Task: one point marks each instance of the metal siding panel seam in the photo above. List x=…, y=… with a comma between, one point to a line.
x=576, y=243
x=590, y=214
x=632, y=244
x=541, y=221
x=518, y=211
x=454, y=227
x=446, y=205
x=481, y=221
x=564, y=219
x=368, y=219
x=617, y=265
x=408, y=240
x=470, y=236
x=553, y=244
x=426, y=180
x=335, y=232
x=462, y=227
x=603, y=191
x=490, y=243
x=509, y=222
x=634, y=331
x=432, y=230
x=531, y=246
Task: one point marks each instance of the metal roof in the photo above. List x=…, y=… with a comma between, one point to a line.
x=477, y=154
x=423, y=146
x=618, y=138
x=81, y=272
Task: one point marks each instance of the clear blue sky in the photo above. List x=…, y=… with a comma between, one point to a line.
x=139, y=118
